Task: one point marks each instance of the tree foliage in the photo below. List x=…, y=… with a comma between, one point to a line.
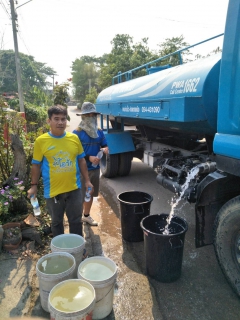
x=171, y=45
x=36, y=117
x=38, y=97
x=91, y=96
x=33, y=73
x=16, y=145
x=60, y=94
x=84, y=76
x=125, y=55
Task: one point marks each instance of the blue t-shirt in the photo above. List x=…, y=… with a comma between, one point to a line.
x=90, y=145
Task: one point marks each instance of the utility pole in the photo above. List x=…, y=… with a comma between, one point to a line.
x=17, y=60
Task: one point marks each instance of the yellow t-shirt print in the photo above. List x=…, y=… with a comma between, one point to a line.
x=62, y=162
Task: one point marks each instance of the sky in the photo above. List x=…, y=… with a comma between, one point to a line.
x=57, y=32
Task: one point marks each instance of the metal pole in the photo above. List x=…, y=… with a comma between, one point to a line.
x=17, y=60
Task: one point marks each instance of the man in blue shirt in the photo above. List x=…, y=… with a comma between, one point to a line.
x=93, y=140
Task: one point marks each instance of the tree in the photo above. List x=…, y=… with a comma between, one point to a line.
x=171, y=45
x=60, y=94
x=38, y=97
x=33, y=73
x=124, y=56
x=215, y=51
x=84, y=76
x=91, y=96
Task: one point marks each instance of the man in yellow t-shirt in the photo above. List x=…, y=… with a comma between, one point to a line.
x=59, y=156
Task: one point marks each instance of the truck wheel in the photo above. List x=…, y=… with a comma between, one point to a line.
x=125, y=162
x=109, y=165
x=227, y=241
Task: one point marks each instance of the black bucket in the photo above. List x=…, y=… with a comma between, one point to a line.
x=134, y=206
x=163, y=252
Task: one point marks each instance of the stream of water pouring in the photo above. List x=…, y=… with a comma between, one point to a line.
x=192, y=174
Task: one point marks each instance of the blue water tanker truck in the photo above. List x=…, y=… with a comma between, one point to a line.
x=182, y=117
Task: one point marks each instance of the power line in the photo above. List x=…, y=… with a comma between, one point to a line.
x=21, y=33
x=21, y=37
x=5, y=9
x=182, y=21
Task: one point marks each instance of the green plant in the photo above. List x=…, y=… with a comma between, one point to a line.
x=10, y=193
x=60, y=93
x=12, y=124
x=35, y=116
x=38, y=97
x=91, y=95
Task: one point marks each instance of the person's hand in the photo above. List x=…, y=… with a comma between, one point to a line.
x=89, y=185
x=94, y=160
x=32, y=191
x=105, y=150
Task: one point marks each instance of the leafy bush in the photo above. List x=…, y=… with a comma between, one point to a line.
x=35, y=116
x=12, y=123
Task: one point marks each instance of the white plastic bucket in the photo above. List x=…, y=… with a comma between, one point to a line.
x=101, y=272
x=72, y=299
x=71, y=243
x=50, y=277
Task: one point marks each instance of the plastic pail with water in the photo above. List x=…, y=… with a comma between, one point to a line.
x=163, y=252
x=71, y=243
x=134, y=206
x=101, y=272
x=52, y=269
x=72, y=299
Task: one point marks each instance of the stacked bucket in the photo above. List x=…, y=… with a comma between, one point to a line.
x=74, y=289
x=163, y=252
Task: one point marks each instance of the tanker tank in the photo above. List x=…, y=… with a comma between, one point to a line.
x=182, y=98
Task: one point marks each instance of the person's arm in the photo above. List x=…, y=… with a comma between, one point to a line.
x=35, y=174
x=84, y=171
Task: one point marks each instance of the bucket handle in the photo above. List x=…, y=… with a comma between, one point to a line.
x=178, y=246
x=106, y=293
x=135, y=211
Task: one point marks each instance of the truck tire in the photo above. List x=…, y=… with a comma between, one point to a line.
x=125, y=162
x=109, y=165
x=227, y=241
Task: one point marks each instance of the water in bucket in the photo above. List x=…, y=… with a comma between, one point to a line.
x=72, y=299
x=101, y=272
x=190, y=176
x=67, y=241
x=55, y=264
x=96, y=271
x=71, y=243
x=51, y=269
